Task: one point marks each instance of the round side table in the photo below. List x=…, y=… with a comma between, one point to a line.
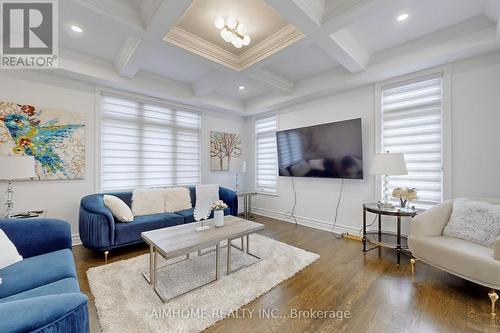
x=381, y=238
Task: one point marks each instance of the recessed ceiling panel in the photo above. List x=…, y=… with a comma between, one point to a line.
x=304, y=64
x=269, y=32
x=381, y=30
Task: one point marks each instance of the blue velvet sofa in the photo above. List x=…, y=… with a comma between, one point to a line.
x=41, y=293
x=99, y=230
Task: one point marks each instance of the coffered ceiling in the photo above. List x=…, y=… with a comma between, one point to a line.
x=330, y=46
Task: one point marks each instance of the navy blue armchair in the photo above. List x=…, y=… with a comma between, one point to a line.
x=41, y=292
x=99, y=230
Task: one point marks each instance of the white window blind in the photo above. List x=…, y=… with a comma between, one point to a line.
x=412, y=125
x=266, y=174
x=147, y=145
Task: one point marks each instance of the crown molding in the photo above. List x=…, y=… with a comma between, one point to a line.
x=315, y=9
x=274, y=43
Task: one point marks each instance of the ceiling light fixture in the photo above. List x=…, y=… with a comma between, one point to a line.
x=241, y=87
x=232, y=31
x=76, y=28
x=403, y=17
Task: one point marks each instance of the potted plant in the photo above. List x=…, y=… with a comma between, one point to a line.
x=404, y=194
x=218, y=208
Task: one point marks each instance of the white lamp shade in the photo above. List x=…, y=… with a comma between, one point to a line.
x=238, y=166
x=389, y=164
x=231, y=22
x=219, y=22
x=17, y=167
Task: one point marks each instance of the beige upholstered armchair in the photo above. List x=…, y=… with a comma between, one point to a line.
x=462, y=258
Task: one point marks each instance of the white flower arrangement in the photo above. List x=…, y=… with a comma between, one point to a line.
x=219, y=205
x=405, y=193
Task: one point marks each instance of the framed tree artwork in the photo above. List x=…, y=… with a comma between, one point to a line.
x=223, y=148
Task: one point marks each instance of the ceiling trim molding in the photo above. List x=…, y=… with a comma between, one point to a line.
x=274, y=43
x=274, y=80
x=201, y=47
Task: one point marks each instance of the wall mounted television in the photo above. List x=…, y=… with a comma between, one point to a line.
x=332, y=150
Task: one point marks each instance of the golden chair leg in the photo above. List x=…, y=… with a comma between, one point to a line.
x=413, y=262
x=493, y=297
x=106, y=256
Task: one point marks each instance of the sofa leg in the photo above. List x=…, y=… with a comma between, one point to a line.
x=106, y=256
x=413, y=262
x=493, y=297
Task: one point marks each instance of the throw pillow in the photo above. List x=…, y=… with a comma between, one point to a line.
x=118, y=208
x=8, y=251
x=146, y=201
x=177, y=199
x=475, y=221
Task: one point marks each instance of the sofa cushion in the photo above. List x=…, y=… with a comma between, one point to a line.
x=148, y=201
x=460, y=257
x=176, y=199
x=187, y=214
x=36, y=271
x=131, y=232
x=64, y=286
x=474, y=221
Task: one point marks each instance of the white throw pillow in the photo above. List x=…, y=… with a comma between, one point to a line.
x=146, y=201
x=475, y=221
x=118, y=208
x=8, y=251
x=177, y=199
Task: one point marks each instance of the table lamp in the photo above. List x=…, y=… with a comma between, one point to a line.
x=238, y=166
x=13, y=168
x=387, y=164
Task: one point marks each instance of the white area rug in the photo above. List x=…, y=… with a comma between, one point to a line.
x=125, y=302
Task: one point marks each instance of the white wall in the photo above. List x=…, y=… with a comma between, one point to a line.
x=475, y=160
x=61, y=198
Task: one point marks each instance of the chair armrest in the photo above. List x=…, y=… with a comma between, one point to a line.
x=96, y=223
x=496, y=249
x=37, y=236
x=230, y=198
x=53, y=313
x=432, y=221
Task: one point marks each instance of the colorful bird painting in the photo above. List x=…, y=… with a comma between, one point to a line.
x=38, y=140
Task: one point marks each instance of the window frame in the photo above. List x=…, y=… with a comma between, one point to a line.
x=256, y=188
x=100, y=91
x=446, y=122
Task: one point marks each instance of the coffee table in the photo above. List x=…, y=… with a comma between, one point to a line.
x=182, y=240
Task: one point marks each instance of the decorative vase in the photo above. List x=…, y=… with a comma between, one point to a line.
x=219, y=218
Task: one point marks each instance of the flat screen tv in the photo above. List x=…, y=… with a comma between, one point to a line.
x=332, y=150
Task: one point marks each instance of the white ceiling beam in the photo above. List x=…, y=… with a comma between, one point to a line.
x=491, y=9
x=89, y=69
x=133, y=52
x=339, y=47
x=115, y=10
x=273, y=80
x=344, y=13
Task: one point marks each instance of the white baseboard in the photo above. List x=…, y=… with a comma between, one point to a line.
x=75, y=240
x=306, y=221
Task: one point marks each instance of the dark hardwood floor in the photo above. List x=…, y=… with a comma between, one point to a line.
x=379, y=296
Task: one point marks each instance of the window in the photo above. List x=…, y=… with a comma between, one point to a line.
x=412, y=125
x=143, y=145
x=266, y=165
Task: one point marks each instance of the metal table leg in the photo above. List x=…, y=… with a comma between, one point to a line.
x=364, y=230
x=217, y=262
x=228, y=257
x=398, y=248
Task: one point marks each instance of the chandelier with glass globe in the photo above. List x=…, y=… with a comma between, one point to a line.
x=232, y=31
